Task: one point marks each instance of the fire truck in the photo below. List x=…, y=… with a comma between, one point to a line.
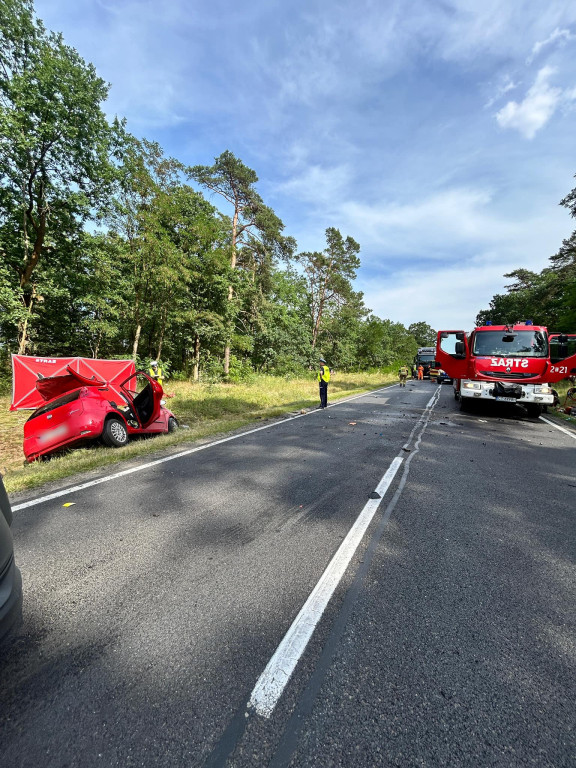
x=425, y=358
x=509, y=363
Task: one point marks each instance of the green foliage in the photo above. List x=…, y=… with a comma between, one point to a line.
x=423, y=333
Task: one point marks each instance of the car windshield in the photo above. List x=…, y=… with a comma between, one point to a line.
x=425, y=358
x=513, y=344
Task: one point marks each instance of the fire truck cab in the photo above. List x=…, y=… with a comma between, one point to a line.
x=511, y=363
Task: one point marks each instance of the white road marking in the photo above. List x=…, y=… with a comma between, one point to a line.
x=557, y=426
x=274, y=678
x=141, y=467
x=279, y=669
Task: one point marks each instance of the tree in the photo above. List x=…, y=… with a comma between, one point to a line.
x=424, y=334
x=329, y=275
x=255, y=227
x=532, y=296
x=56, y=145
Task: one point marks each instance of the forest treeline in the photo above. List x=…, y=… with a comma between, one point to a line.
x=109, y=248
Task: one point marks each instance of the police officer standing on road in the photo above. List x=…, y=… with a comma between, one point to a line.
x=156, y=372
x=323, y=379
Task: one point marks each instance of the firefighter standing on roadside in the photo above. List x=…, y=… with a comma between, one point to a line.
x=156, y=372
x=403, y=375
x=420, y=372
x=323, y=379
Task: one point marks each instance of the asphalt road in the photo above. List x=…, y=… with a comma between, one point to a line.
x=153, y=604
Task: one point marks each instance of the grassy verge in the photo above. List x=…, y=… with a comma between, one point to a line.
x=562, y=388
x=207, y=409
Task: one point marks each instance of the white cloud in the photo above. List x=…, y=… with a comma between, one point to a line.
x=430, y=226
x=316, y=184
x=507, y=85
x=444, y=298
x=560, y=36
x=535, y=111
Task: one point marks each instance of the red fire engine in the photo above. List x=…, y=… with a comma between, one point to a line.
x=510, y=363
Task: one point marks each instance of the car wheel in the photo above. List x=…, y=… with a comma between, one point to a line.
x=172, y=424
x=115, y=433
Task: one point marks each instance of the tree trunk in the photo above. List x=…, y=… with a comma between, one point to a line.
x=316, y=329
x=24, y=331
x=230, y=288
x=97, y=346
x=196, y=370
x=136, y=341
x=22, y=344
x=162, y=332
x=32, y=259
x=227, y=359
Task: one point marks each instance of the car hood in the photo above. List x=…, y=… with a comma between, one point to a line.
x=54, y=386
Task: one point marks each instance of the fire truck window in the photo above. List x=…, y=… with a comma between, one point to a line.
x=520, y=343
x=448, y=343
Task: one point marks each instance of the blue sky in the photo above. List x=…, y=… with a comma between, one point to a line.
x=439, y=134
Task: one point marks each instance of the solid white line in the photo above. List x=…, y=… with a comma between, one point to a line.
x=557, y=426
x=274, y=678
x=139, y=468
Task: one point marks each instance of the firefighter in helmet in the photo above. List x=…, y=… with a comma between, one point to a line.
x=403, y=374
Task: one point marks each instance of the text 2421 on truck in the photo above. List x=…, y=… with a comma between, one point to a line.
x=511, y=363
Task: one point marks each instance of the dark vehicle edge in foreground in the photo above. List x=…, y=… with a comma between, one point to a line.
x=10, y=578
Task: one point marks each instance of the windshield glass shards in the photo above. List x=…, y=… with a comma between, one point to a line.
x=513, y=344
x=51, y=406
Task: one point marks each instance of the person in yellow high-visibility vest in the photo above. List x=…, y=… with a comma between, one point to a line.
x=403, y=375
x=156, y=372
x=323, y=379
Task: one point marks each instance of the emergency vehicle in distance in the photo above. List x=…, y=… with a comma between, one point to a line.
x=425, y=358
x=510, y=363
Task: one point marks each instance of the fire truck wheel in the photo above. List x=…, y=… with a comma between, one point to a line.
x=533, y=410
x=464, y=404
x=115, y=433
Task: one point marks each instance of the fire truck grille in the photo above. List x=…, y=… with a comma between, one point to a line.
x=504, y=375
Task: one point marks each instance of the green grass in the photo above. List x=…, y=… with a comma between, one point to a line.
x=207, y=409
x=562, y=388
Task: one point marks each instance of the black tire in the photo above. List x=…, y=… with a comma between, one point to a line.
x=533, y=410
x=172, y=424
x=115, y=433
x=464, y=404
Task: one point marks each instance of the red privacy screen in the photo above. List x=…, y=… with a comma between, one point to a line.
x=26, y=370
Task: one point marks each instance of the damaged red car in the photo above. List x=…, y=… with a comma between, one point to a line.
x=80, y=409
